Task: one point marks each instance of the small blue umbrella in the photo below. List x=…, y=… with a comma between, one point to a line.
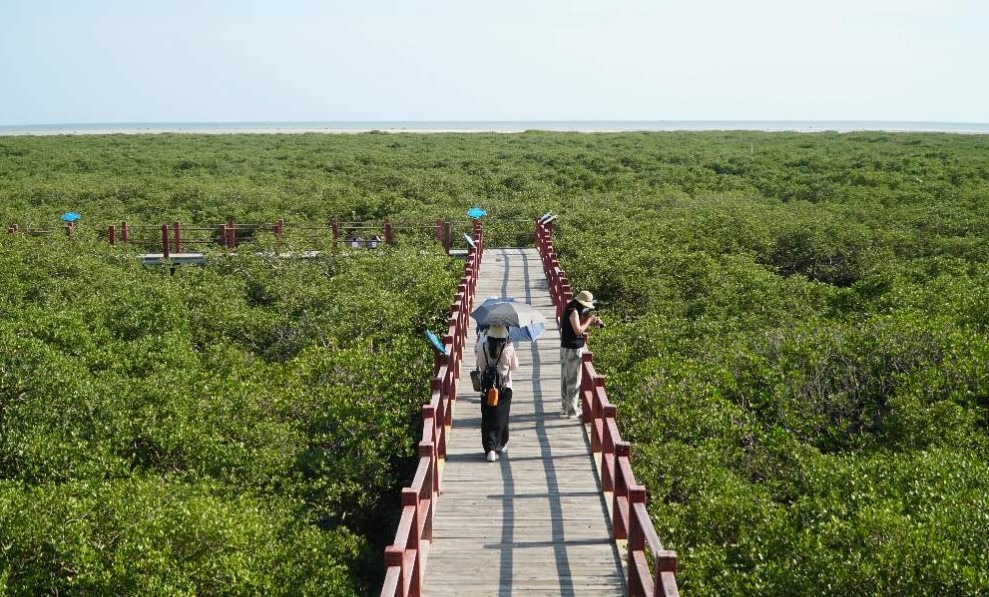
x=70, y=216
x=475, y=213
x=435, y=341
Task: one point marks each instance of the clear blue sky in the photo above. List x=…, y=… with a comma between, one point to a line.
x=96, y=61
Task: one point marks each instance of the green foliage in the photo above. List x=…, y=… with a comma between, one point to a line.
x=797, y=343
x=239, y=428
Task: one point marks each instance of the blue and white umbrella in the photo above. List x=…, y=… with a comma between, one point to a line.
x=475, y=213
x=524, y=322
x=70, y=216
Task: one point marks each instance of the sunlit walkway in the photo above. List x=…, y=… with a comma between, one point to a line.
x=535, y=522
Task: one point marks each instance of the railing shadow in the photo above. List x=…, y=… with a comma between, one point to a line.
x=646, y=576
x=405, y=558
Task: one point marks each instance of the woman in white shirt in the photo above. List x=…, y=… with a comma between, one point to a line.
x=497, y=350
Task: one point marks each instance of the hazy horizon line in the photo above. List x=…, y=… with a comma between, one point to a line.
x=496, y=121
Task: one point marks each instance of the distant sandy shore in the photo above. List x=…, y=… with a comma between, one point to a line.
x=487, y=127
x=290, y=131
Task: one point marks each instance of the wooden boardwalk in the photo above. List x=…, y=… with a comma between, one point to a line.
x=535, y=522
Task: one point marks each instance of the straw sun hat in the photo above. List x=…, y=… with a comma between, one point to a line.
x=497, y=331
x=585, y=298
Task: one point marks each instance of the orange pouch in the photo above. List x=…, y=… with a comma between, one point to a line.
x=493, y=397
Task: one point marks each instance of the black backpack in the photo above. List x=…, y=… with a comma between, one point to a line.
x=489, y=377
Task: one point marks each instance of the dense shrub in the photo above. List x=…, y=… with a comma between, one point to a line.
x=797, y=342
x=238, y=428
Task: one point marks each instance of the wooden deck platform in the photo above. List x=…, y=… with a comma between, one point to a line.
x=535, y=522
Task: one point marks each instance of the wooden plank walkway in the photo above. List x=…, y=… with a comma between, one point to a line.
x=535, y=522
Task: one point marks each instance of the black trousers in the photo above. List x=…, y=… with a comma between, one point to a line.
x=494, y=421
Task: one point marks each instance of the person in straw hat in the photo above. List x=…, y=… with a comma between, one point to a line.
x=497, y=350
x=576, y=319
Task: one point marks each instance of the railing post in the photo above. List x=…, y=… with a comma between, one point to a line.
x=429, y=419
x=586, y=386
x=446, y=237
x=395, y=557
x=177, y=233
x=233, y=234
x=636, y=543
x=607, y=447
x=111, y=232
x=388, y=232
x=436, y=384
x=428, y=450
x=666, y=571
x=335, y=226
x=619, y=524
x=164, y=241
x=440, y=360
x=124, y=233
x=410, y=497
x=636, y=535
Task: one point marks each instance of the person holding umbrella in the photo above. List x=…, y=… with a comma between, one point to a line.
x=573, y=325
x=497, y=352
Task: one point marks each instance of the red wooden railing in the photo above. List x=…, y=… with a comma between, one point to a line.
x=406, y=557
x=630, y=519
x=344, y=234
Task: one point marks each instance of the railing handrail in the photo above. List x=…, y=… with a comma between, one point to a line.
x=226, y=235
x=405, y=557
x=630, y=519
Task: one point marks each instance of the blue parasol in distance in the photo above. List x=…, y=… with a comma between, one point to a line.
x=70, y=216
x=475, y=213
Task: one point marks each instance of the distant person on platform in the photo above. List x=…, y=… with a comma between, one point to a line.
x=576, y=319
x=497, y=351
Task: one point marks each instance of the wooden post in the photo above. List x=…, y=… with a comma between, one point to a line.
x=666, y=566
x=111, y=232
x=446, y=237
x=164, y=241
x=636, y=535
x=440, y=360
x=439, y=231
x=410, y=497
x=388, y=233
x=607, y=448
x=335, y=225
x=619, y=526
x=177, y=233
x=395, y=558
x=429, y=418
x=124, y=233
x=232, y=229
